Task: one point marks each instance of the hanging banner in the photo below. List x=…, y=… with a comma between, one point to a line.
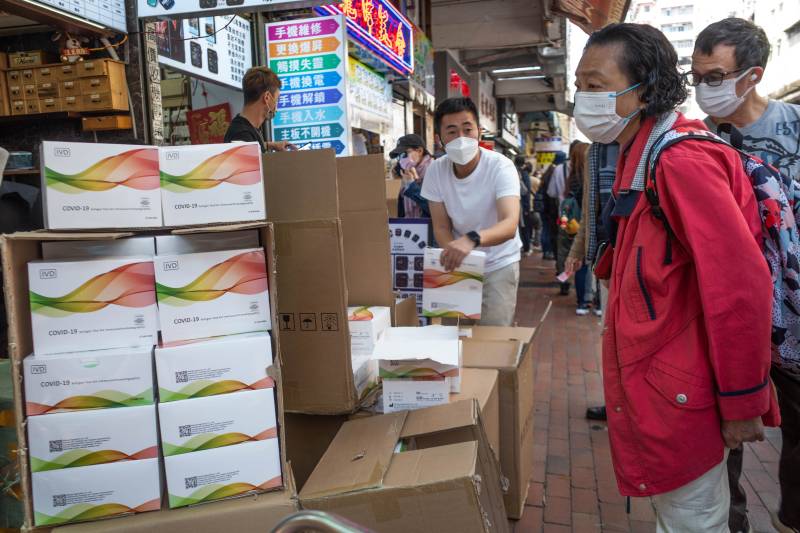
x=310, y=57
x=212, y=48
x=209, y=125
x=169, y=8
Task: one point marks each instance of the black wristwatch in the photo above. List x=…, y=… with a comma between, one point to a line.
x=475, y=237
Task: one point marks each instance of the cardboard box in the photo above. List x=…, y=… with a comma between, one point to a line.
x=447, y=481
x=88, y=380
x=405, y=315
x=367, y=324
x=392, y=193
x=93, y=186
x=206, y=242
x=87, y=438
x=482, y=385
x=456, y=294
x=510, y=351
x=92, y=304
x=211, y=183
x=220, y=473
x=410, y=394
x=307, y=438
x=209, y=294
x=93, y=492
x=205, y=423
x=332, y=236
x=133, y=246
x=215, y=366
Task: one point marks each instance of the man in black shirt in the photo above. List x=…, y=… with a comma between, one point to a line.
x=261, y=89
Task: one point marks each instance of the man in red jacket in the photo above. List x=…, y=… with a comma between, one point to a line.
x=686, y=349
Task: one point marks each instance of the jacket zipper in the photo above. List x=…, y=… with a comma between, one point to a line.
x=647, y=300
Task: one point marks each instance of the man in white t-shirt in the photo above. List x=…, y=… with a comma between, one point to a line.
x=473, y=194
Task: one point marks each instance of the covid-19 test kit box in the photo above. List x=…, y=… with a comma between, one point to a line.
x=211, y=183
x=456, y=294
x=92, y=305
x=94, y=185
x=212, y=293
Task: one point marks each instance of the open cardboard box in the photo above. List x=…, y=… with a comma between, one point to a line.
x=448, y=480
x=332, y=243
x=510, y=351
x=20, y=248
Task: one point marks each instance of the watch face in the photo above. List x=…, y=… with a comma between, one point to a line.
x=197, y=54
x=213, y=64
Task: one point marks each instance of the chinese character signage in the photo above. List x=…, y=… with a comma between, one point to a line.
x=423, y=61
x=310, y=58
x=369, y=90
x=378, y=26
x=200, y=47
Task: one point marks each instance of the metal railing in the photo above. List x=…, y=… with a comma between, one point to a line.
x=317, y=522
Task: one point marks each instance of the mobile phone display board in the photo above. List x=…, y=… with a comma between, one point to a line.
x=409, y=237
x=206, y=47
x=109, y=13
x=171, y=8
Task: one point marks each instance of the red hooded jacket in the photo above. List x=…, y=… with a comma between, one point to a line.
x=686, y=345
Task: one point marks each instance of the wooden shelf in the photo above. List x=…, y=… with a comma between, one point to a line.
x=21, y=172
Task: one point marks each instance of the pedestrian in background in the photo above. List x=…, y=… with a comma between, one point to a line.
x=525, y=222
x=413, y=160
x=571, y=224
x=552, y=192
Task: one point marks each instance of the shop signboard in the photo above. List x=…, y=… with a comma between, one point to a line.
x=423, y=61
x=370, y=98
x=171, y=8
x=310, y=58
x=487, y=103
x=108, y=13
x=213, y=48
x=547, y=144
x=380, y=28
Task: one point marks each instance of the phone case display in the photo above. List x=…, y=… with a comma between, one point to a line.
x=409, y=238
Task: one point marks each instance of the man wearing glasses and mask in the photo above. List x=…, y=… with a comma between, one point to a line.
x=728, y=62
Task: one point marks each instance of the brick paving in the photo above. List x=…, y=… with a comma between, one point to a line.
x=573, y=486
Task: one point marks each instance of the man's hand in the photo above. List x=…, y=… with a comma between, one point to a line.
x=455, y=252
x=735, y=432
x=281, y=146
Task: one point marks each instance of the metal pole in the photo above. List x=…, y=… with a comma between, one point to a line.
x=317, y=521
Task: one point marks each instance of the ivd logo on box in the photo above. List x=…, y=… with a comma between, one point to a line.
x=62, y=151
x=48, y=273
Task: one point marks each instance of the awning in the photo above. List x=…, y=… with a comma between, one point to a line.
x=591, y=15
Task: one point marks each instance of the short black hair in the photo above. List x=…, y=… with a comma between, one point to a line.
x=751, y=45
x=646, y=56
x=451, y=106
x=257, y=81
x=519, y=161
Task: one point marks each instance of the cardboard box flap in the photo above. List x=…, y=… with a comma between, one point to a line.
x=437, y=343
x=361, y=184
x=500, y=333
x=358, y=457
x=301, y=185
x=432, y=465
x=440, y=418
x=218, y=228
x=67, y=236
x=503, y=355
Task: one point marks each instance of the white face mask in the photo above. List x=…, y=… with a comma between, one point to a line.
x=721, y=101
x=462, y=150
x=596, y=115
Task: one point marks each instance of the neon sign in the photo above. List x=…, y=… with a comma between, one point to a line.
x=378, y=26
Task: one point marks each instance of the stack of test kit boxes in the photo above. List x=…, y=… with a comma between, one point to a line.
x=93, y=444
x=217, y=410
x=367, y=325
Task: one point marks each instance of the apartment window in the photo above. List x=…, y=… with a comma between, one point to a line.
x=679, y=10
x=683, y=43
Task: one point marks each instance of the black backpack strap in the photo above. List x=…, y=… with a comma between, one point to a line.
x=737, y=139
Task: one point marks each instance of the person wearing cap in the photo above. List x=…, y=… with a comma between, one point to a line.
x=413, y=160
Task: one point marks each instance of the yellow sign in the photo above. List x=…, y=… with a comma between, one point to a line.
x=545, y=158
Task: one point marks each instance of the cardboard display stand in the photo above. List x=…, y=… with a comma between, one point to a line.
x=332, y=237
x=20, y=248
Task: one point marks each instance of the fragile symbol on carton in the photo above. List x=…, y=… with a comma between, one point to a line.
x=330, y=322
x=287, y=322
x=308, y=321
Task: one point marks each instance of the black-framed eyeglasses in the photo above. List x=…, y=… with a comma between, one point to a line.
x=713, y=79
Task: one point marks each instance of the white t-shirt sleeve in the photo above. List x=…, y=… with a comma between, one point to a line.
x=430, y=185
x=507, y=180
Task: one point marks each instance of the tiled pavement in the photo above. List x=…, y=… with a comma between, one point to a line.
x=573, y=487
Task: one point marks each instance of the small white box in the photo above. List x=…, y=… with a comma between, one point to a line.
x=365, y=374
x=69, y=440
x=457, y=294
x=408, y=394
x=94, y=186
x=220, y=473
x=133, y=246
x=367, y=324
x=211, y=294
x=88, y=380
x=92, y=305
x=211, y=183
x=207, y=242
x=205, y=423
x=94, y=492
x=432, y=352
x=216, y=366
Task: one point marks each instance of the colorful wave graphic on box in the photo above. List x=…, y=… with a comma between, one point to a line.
x=210, y=440
x=84, y=511
x=416, y=373
x=130, y=285
x=75, y=458
x=237, y=166
x=135, y=169
x=218, y=492
x=104, y=399
x=362, y=314
x=203, y=388
x=242, y=274
x=436, y=279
